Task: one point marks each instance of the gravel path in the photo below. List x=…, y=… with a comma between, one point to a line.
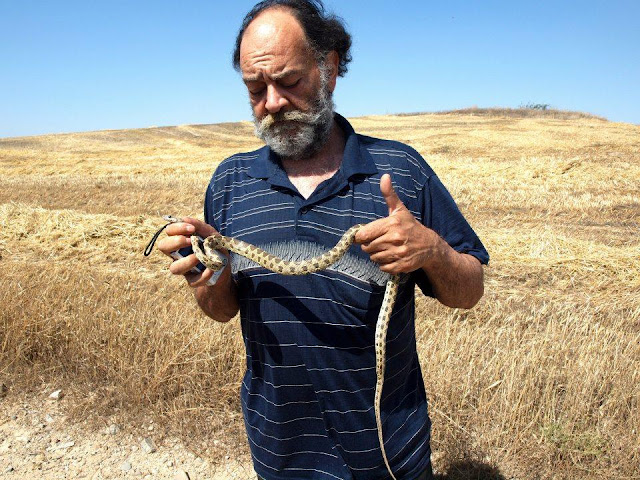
x=37, y=441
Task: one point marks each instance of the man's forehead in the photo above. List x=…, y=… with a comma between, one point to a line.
x=274, y=31
x=265, y=30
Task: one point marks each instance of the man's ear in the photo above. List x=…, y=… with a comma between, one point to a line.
x=333, y=60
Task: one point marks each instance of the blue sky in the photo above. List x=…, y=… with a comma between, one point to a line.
x=89, y=65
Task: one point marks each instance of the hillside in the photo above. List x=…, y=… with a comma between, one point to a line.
x=540, y=380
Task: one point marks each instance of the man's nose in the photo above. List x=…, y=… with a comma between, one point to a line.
x=275, y=101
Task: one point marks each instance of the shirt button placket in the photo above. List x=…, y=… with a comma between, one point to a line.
x=301, y=211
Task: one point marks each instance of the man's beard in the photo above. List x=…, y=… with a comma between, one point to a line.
x=296, y=134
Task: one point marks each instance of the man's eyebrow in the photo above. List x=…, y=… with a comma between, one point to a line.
x=287, y=73
x=276, y=76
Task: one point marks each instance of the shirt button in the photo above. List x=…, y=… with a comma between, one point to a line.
x=304, y=210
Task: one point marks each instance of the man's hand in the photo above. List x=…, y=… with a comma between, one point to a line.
x=398, y=242
x=179, y=237
x=218, y=301
x=401, y=244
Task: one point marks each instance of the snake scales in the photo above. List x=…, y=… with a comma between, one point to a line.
x=205, y=251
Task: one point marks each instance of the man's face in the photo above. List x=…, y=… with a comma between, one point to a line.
x=290, y=94
x=297, y=133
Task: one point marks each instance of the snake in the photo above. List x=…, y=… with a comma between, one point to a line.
x=206, y=251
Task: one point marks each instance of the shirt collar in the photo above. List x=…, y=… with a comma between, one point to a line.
x=356, y=159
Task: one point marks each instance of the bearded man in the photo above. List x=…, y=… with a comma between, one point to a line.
x=308, y=391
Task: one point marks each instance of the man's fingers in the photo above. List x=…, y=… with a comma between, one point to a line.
x=180, y=228
x=179, y=233
x=183, y=265
x=372, y=230
x=190, y=226
x=386, y=188
x=171, y=244
x=379, y=227
x=203, y=229
x=198, y=279
x=384, y=257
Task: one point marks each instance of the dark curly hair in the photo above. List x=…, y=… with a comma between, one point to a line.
x=325, y=32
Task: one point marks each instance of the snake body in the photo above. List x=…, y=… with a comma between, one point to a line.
x=206, y=253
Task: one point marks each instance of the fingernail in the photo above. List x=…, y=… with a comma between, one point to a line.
x=190, y=228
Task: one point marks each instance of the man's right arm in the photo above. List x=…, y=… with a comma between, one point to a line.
x=219, y=301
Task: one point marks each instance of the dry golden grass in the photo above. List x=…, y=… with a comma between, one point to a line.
x=540, y=380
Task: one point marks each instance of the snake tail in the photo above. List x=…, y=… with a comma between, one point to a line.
x=381, y=352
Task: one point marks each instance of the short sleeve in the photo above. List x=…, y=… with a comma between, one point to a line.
x=211, y=210
x=441, y=214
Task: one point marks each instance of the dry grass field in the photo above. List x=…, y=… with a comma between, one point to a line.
x=540, y=380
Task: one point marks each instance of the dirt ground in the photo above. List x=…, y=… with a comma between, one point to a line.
x=39, y=441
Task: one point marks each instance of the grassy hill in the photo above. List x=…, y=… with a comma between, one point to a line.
x=540, y=380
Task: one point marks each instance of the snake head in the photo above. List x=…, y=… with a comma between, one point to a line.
x=212, y=261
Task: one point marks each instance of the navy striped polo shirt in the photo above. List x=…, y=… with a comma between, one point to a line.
x=308, y=392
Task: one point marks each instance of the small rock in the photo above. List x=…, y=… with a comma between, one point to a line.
x=3, y=390
x=150, y=428
x=181, y=475
x=57, y=395
x=48, y=418
x=148, y=445
x=23, y=439
x=125, y=467
x=14, y=417
x=9, y=469
x=57, y=455
x=61, y=446
x=169, y=463
x=114, y=429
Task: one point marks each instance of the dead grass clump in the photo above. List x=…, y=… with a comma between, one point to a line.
x=140, y=341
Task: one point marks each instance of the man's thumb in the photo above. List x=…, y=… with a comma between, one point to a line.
x=386, y=188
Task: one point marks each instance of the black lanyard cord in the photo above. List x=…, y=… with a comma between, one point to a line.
x=147, y=251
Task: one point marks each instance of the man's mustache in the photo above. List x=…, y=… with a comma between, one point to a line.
x=293, y=116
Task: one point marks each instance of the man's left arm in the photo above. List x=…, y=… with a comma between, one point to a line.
x=401, y=244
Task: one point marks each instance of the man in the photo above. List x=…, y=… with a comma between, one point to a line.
x=307, y=395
